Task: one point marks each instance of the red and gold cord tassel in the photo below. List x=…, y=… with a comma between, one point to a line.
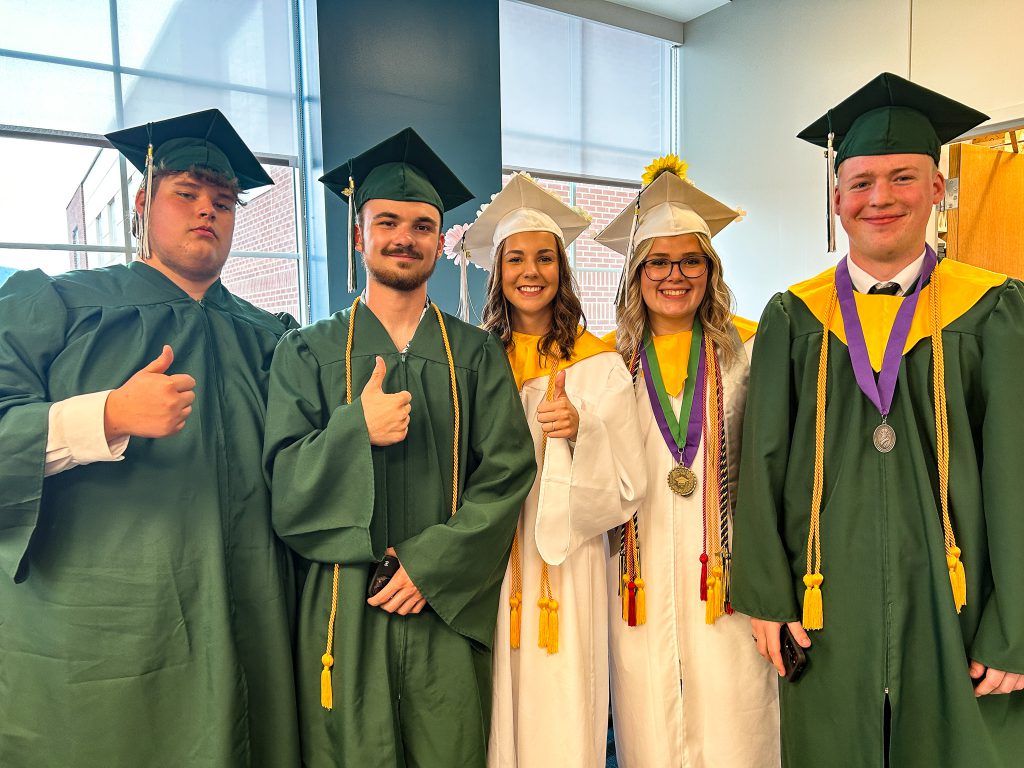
x=957, y=575
x=632, y=588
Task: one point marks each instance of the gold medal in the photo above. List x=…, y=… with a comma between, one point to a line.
x=681, y=480
x=884, y=438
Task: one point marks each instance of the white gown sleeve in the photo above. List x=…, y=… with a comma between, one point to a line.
x=76, y=434
x=598, y=484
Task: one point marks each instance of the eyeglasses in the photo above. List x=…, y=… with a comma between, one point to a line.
x=658, y=269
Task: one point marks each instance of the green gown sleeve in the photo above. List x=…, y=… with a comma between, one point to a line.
x=32, y=330
x=318, y=463
x=762, y=584
x=458, y=566
x=999, y=641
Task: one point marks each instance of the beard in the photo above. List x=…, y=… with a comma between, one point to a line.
x=398, y=278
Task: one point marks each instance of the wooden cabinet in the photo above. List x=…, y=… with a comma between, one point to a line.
x=986, y=228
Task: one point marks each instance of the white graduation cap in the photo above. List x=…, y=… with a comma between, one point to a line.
x=522, y=206
x=667, y=206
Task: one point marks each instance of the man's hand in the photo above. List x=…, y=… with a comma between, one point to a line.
x=387, y=416
x=769, y=642
x=559, y=418
x=399, y=595
x=150, y=403
x=990, y=680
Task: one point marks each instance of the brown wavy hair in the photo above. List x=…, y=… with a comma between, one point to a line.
x=566, y=318
x=715, y=310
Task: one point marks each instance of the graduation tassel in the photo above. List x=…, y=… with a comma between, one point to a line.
x=144, y=234
x=814, y=615
x=552, y=626
x=515, y=599
x=624, y=596
x=727, y=582
x=349, y=192
x=830, y=202
x=703, y=576
x=464, y=287
x=957, y=575
x=813, y=606
x=326, y=689
x=542, y=627
x=641, y=602
x=631, y=609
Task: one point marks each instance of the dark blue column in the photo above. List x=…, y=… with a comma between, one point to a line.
x=432, y=65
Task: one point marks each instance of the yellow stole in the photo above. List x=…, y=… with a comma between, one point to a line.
x=527, y=362
x=962, y=287
x=673, y=351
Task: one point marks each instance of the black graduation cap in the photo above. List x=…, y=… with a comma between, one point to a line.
x=201, y=139
x=891, y=115
x=402, y=167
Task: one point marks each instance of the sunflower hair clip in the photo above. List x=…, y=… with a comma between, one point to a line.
x=670, y=163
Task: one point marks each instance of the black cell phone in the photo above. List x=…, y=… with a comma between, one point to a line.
x=794, y=658
x=381, y=574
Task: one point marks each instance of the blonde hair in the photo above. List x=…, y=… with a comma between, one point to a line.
x=716, y=308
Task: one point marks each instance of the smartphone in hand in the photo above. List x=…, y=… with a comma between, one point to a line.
x=794, y=658
x=382, y=574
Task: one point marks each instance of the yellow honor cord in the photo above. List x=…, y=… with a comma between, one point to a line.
x=327, y=659
x=547, y=630
x=813, y=609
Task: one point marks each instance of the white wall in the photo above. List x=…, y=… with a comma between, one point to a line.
x=755, y=73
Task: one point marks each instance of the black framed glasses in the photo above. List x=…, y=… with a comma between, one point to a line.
x=692, y=266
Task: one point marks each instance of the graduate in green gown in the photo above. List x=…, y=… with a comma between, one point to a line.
x=368, y=453
x=145, y=604
x=899, y=537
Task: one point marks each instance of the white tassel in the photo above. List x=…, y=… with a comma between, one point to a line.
x=144, y=252
x=464, y=287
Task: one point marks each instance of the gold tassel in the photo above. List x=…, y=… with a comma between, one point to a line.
x=326, y=692
x=813, y=617
x=719, y=591
x=709, y=606
x=641, y=603
x=515, y=619
x=542, y=633
x=552, y=626
x=957, y=577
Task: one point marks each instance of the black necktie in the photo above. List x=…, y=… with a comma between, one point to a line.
x=889, y=289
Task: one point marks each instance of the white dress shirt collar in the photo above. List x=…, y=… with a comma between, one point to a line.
x=863, y=282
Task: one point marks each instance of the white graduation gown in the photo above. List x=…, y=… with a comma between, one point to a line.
x=686, y=694
x=552, y=710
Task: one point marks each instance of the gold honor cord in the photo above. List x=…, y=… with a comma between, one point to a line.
x=547, y=633
x=326, y=687
x=813, y=613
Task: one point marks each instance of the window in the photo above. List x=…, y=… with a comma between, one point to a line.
x=584, y=108
x=107, y=64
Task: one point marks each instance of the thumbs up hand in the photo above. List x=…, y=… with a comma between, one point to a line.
x=150, y=403
x=559, y=417
x=387, y=416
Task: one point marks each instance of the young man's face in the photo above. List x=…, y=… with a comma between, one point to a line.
x=190, y=226
x=400, y=242
x=884, y=202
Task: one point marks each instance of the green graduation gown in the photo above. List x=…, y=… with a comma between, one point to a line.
x=413, y=690
x=145, y=605
x=890, y=626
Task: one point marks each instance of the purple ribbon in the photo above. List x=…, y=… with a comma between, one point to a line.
x=881, y=392
x=687, y=453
